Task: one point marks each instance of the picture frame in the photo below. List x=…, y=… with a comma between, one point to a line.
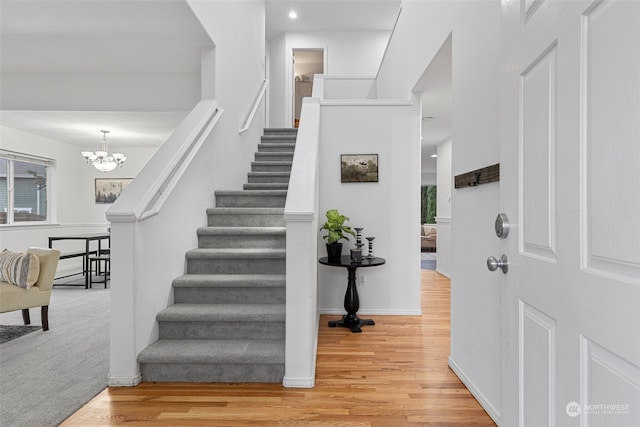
x=107, y=190
x=358, y=168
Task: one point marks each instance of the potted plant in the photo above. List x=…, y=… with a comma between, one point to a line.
x=336, y=229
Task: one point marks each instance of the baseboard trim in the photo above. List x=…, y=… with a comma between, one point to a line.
x=482, y=400
x=301, y=382
x=444, y=273
x=125, y=381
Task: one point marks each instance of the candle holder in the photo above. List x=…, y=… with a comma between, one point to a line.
x=370, y=254
x=358, y=235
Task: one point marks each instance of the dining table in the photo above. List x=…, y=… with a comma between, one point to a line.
x=88, y=249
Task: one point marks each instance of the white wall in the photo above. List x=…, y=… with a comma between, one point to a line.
x=443, y=215
x=72, y=192
x=389, y=210
x=86, y=91
x=347, y=53
x=239, y=73
x=422, y=28
x=428, y=178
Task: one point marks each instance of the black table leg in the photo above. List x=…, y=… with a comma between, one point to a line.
x=351, y=305
x=85, y=264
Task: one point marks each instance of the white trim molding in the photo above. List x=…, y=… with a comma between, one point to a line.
x=481, y=398
x=125, y=381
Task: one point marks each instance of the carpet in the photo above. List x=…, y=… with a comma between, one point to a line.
x=47, y=376
x=10, y=332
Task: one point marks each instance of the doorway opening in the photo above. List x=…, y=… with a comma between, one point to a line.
x=435, y=89
x=306, y=64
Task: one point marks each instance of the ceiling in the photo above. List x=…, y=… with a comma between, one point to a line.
x=330, y=15
x=45, y=36
x=69, y=35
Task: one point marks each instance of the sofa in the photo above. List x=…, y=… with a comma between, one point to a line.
x=428, y=237
x=14, y=297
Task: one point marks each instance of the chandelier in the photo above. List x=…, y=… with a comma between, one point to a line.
x=102, y=160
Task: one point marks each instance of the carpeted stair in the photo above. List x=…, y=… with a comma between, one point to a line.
x=227, y=323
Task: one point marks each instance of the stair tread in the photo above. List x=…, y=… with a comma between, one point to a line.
x=276, y=137
x=240, y=230
x=245, y=211
x=274, y=129
x=269, y=174
x=228, y=280
x=249, y=193
x=214, y=351
x=276, y=162
x=269, y=145
x=184, y=312
x=236, y=253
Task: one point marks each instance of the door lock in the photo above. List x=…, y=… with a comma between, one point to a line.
x=502, y=226
x=493, y=264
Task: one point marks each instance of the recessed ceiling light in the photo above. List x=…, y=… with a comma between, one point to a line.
x=433, y=156
x=293, y=14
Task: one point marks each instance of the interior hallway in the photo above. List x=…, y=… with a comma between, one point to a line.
x=392, y=374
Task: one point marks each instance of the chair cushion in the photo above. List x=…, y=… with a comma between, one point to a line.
x=20, y=269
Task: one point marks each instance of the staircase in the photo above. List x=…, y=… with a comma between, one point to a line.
x=227, y=323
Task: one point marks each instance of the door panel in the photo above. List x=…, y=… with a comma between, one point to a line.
x=570, y=165
x=537, y=367
x=610, y=140
x=538, y=139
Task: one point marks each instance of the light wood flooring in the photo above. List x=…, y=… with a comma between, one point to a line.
x=392, y=374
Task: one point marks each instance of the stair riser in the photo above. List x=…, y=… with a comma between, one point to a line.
x=250, y=201
x=266, y=179
x=247, y=220
x=278, y=139
x=276, y=148
x=222, y=330
x=274, y=157
x=266, y=186
x=211, y=373
x=229, y=295
x=236, y=266
x=242, y=241
x=265, y=167
x=280, y=131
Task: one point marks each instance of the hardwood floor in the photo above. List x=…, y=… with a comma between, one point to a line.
x=393, y=374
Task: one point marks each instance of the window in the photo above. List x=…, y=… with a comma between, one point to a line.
x=24, y=194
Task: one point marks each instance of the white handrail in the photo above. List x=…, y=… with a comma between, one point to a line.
x=254, y=108
x=150, y=189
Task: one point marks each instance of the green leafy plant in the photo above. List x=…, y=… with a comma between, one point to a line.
x=336, y=227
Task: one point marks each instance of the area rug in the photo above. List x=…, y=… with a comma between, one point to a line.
x=428, y=260
x=10, y=332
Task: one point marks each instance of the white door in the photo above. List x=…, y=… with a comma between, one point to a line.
x=570, y=184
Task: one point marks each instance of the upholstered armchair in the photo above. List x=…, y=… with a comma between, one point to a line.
x=14, y=297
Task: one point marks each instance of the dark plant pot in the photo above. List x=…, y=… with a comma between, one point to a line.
x=334, y=251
